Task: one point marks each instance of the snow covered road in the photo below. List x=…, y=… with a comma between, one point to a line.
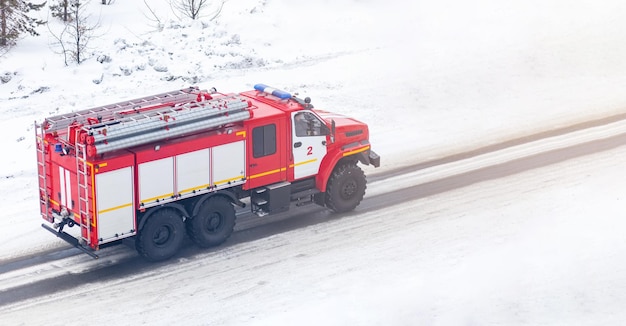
x=387, y=257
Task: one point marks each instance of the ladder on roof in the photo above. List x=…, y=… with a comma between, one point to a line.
x=165, y=122
x=41, y=170
x=110, y=112
x=167, y=111
x=83, y=192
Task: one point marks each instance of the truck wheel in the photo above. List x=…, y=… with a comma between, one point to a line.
x=214, y=222
x=162, y=235
x=346, y=188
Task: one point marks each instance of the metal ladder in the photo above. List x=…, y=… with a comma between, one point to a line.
x=155, y=124
x=108, y=112
x=211, y=106
x=41, y=170
x=83, y=191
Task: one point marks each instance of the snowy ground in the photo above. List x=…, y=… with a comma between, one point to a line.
x=430, y=78
x=541, y=248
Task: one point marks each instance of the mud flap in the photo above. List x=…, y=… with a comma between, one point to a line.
x=71, y=240
x=369, y=157
x=374, y=158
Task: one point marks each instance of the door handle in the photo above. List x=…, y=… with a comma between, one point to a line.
x=297, y=144
x=253, y=165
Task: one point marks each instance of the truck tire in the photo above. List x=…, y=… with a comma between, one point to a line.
x=346, y=187
x=162, y=236
x=214, y=222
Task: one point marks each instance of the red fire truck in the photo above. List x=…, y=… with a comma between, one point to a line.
x=153, y=168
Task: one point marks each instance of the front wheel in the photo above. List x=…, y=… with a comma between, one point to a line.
x=214, y=222
x=162, y=236
x=346, y=188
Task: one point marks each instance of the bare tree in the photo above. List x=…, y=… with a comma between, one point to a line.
x=154, y=18
x=193, y=8
x=76, y=33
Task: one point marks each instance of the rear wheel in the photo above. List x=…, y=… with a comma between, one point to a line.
x=162, y=236
x=346, y=187
x=214, y=222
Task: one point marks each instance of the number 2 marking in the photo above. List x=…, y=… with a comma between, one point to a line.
x=309, y=150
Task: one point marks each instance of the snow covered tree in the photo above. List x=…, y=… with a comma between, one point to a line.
x=60, y=10
x=15, y=20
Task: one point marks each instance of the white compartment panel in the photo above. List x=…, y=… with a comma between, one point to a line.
x=156, y=180
x=229, y=163
x=192, y=171
x=114, y=204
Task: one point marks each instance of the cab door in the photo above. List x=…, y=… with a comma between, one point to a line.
x=308, y=143
x=266, y=163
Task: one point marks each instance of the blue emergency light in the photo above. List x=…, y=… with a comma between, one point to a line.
x=270, y=90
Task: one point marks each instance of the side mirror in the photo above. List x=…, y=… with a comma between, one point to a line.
x=332, y=131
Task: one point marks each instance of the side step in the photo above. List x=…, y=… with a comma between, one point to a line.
x=71, y=240
x=272, y=198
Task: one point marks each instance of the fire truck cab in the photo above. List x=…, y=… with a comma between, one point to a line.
x=156, y=168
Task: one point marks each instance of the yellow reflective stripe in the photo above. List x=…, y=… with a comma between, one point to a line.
x=241, y=133
x=166, y=196
x=204, y=186
x=114, y=208
x=356, y=151
x=93, y=194
x=229, y=180
x=303, y=163
x=262, y=174
x=53, y=201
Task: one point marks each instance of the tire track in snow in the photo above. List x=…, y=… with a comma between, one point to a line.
x=555, y=132
x=69, y=273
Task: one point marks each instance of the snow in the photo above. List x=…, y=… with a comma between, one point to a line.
x=430, y=78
